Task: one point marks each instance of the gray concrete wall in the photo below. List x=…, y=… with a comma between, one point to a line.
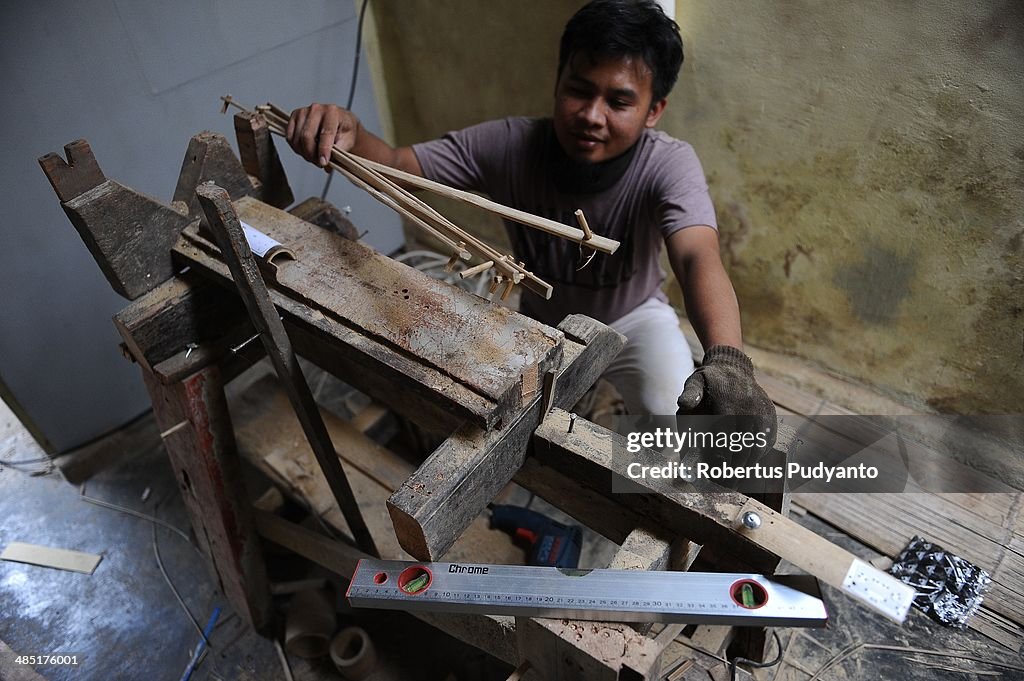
x=136, y=79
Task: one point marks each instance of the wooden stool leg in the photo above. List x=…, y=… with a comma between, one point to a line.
x=196, y=429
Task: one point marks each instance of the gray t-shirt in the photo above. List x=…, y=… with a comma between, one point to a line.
x=661, y=191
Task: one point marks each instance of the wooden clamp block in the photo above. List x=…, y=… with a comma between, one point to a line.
x=78, y=175
x=130, y=235
x=260, y=160
x=209, y=158
x=433, y=507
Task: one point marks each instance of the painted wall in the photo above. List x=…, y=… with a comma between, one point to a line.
x=137, y=79
x=867, y=166
x=865, y=160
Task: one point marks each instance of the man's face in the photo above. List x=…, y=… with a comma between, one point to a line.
x=603, y=106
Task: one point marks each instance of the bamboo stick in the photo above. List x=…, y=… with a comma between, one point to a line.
x=580, y=218
x=476, y=269
x=367, y=176
x=598, y=243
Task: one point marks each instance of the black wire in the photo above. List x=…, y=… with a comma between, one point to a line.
x=756, y=665
x=352, y=85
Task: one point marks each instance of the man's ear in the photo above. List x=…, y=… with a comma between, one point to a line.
x=655, y=112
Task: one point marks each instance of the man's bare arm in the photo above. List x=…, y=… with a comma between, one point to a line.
x=710, y=300
x=314, y=129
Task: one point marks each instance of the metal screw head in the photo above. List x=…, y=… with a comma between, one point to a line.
x=751, y=520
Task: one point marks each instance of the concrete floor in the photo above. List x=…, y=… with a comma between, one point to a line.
x=123, y=620
x=125, y=624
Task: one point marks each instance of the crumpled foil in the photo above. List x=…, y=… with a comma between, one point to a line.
x=949, y=589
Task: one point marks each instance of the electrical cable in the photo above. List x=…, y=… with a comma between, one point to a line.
x=160, y=564
x=143, y=516
x=352, y=85
x=754, y=664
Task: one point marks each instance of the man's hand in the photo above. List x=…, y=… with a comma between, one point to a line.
x=314, y=129
x=725, y=385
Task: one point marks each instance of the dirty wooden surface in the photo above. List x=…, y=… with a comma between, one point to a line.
x=425, y=337
x=465, y=473
x=196, y=431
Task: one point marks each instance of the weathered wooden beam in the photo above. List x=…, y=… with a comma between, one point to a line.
x=184, y=310
x=128, y=234
x=209, y=158
x=196, y=429
x=571, y=650
x=260, y=160
x=75, y=177
x=189, y=322
x=586, y=454
x=408, y=339
x=711, y=516
x=224, y=223
x=464, y=474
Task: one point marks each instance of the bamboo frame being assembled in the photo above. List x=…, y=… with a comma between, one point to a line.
x=380, y=181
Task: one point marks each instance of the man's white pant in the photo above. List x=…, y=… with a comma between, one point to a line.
x=650, y=371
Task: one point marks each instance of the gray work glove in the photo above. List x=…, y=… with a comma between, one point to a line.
x=724, y=385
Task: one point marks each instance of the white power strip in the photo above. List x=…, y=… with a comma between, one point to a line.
x=879, y=590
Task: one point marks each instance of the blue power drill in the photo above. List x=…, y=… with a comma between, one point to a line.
x=551, y=543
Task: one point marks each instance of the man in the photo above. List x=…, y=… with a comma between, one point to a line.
x=599, y=151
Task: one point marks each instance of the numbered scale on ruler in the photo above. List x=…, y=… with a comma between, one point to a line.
x=621, y=595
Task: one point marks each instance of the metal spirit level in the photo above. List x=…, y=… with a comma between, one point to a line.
x=617, y=595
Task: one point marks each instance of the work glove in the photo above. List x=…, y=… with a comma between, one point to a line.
x=724, y=385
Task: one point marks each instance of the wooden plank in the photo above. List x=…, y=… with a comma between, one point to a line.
x=422, y=390
x=571, y=650
x=423, y=394
x=711, y=516
x=481, y=345
x=196, y=321
x=270, y=436
x=128, y=234
x=47, y=556
x=197, y=433
x=464, y=474
x=235, y=249
x=260, y=160
x=186, y=309
x=586, y=457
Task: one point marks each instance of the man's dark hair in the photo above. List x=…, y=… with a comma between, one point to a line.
x=626, y=28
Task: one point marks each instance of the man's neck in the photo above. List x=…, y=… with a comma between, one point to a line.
x=579, y=177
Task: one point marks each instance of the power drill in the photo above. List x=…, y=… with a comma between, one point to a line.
x=551, y=543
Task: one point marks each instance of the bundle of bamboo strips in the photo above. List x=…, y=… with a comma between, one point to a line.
x=379, y=181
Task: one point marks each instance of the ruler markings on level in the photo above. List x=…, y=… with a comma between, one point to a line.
x=724, y=598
